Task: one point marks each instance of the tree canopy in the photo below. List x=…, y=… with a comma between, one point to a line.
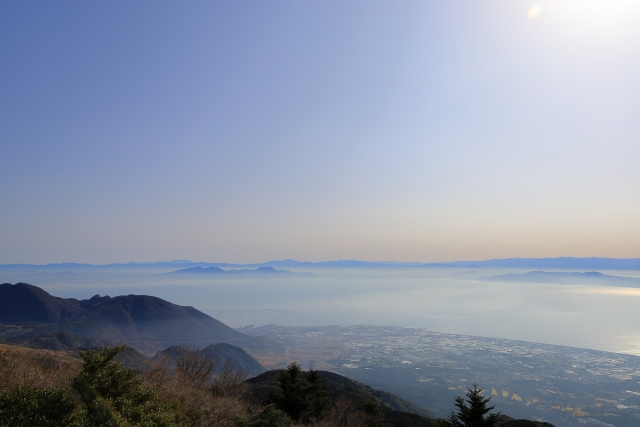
x=302, y=395
x=472, y=411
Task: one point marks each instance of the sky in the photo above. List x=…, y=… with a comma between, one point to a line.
x=237, y=131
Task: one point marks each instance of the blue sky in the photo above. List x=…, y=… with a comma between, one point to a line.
x=247, y=131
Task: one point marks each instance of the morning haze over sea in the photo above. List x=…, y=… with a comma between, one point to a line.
x=324, y=174
x=499, y=298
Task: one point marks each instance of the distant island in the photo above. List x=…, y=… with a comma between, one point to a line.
x=586, y=278
x=218, y=270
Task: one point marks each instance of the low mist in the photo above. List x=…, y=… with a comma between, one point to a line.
x=596, y=316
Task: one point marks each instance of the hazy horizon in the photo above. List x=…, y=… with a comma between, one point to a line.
x=599, y=315
x=563, y=262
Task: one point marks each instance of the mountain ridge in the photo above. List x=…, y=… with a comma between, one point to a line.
x=222, y=353
x=146, y=322
x=264, y=270
x=602, y=263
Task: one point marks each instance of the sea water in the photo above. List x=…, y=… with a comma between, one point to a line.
x=600, y=317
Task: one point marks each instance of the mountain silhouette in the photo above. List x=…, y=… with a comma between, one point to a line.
x=199, y=270
x=145, y=322
x=222, y=353
x=218, y=271
x=26, y=303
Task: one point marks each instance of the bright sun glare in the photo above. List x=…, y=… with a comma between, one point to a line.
x=534, y=11
x=610, y=15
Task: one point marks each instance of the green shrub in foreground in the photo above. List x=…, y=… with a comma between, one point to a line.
x=28, y=406
x=269, y=416
x=115, y=396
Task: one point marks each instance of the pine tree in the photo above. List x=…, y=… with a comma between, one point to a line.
x=301, y=396
x=290, y=398
x=471, y=412
x=318, y=401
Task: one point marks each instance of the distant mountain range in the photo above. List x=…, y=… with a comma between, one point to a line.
x=593, y=263
x=146, y=322
x=588, y=278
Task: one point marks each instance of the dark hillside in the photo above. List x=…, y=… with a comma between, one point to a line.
x=146, y=322
x=235, y=356
x=398, y=411
x=141, y=318
x=26, y=303
x=504, y=421
x=56, y=341
x=222, y=353
x=63, y=342
x=133, y=359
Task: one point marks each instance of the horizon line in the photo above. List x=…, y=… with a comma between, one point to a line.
x=291, y=260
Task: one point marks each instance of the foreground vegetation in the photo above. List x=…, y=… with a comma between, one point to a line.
x=44, y=388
